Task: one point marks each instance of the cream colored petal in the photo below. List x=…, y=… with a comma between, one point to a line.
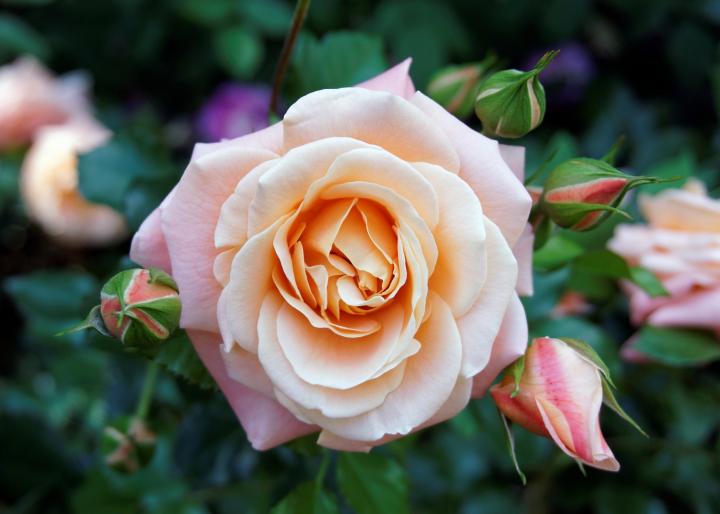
x=223, y=265
x=379, y=227
x=232, y=225
x=460, y=236
x=329, y=402
x=321, y=357
x=323, y=228
x=250, y=279
x=245, y=368
x=503, y=197
x=355, y=243
x=479, y=327
x=430, y=378
x=403, y=212
x=281, y=189
x=384, y=169
x=378, y=118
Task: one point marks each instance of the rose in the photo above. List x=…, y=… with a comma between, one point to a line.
x=681, y=245
x=350, y=269
x=559, y=396
x=49, y=187
x=32, y=98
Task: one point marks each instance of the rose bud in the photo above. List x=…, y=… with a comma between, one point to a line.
x=511, y=103
x=140, y=307
x=127, y=444
x=455, y=87
x=581, y=193
x=558, y=394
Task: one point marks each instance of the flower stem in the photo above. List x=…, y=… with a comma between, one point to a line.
x=301, y=10
x=148, y=388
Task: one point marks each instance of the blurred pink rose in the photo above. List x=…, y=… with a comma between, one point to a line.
x=560, y=398
x=48, y=184
x=681, y=245
x=349, y=270
x=32, y=98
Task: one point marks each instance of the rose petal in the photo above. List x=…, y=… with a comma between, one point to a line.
x=354, y=112
x=523, y=251
x=480, y=326
x=509, y=345
x=264, y=420
x=503, y=197
x=514, y=156
x=396, y=80
x=188, y=222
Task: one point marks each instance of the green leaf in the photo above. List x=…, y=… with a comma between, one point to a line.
x=609, y=264
x=307, y=498
x=270, y=17
x=51, y=301
x=510, y=442
x=178, y=356
x=239, y=50
x=372, y=483
x=340, y=59
x=556, y=252
x=677, y=347
x=207, y=12
x=612, y=154
x=610, y=400
x=18, y=38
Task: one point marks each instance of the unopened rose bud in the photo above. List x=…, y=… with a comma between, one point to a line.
x=558, y=394
x=581, y=193
x=127, y=445
x=456, y=87
x=511, y=103
x=140, y=307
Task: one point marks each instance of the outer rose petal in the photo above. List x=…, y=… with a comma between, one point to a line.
x=509, y=345
x=148, y=247
x=269, y=138
x=514, y=156
x=264, y=420
x=523, y=251
x=480, y=326
x=701, y=310
x=188, y=222
x=503, y=197
x=396, y=80
x=354, y=112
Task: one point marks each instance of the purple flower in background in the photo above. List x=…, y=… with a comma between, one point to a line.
x=234, y=110
x=570, y=71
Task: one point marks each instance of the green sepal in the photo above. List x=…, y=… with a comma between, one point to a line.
x=93, y=320
x=611, y=156
x=510, y=444
x=158, y=276
x=588, y=353
x=610, y=400
x=515, y=370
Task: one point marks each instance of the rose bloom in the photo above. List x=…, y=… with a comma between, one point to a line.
x=681, y=245
x=33, y=98
x=49, y=187
x=560, y=398
x=349, y=270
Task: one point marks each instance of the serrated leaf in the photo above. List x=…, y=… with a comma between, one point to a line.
x=373, y=483
x=589, y=353
x=510, y=442
x=307, y=498
x=677, y=347
x=610, y=400
x=178, y=356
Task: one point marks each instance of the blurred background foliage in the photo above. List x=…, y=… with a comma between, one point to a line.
x=649, y=69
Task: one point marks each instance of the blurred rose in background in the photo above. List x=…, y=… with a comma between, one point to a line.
x=233, y=111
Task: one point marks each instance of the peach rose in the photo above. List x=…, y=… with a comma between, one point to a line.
x=681, y=245
x=33, y=98
x=349, y=270
x=560, y=397
x=49, y=187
